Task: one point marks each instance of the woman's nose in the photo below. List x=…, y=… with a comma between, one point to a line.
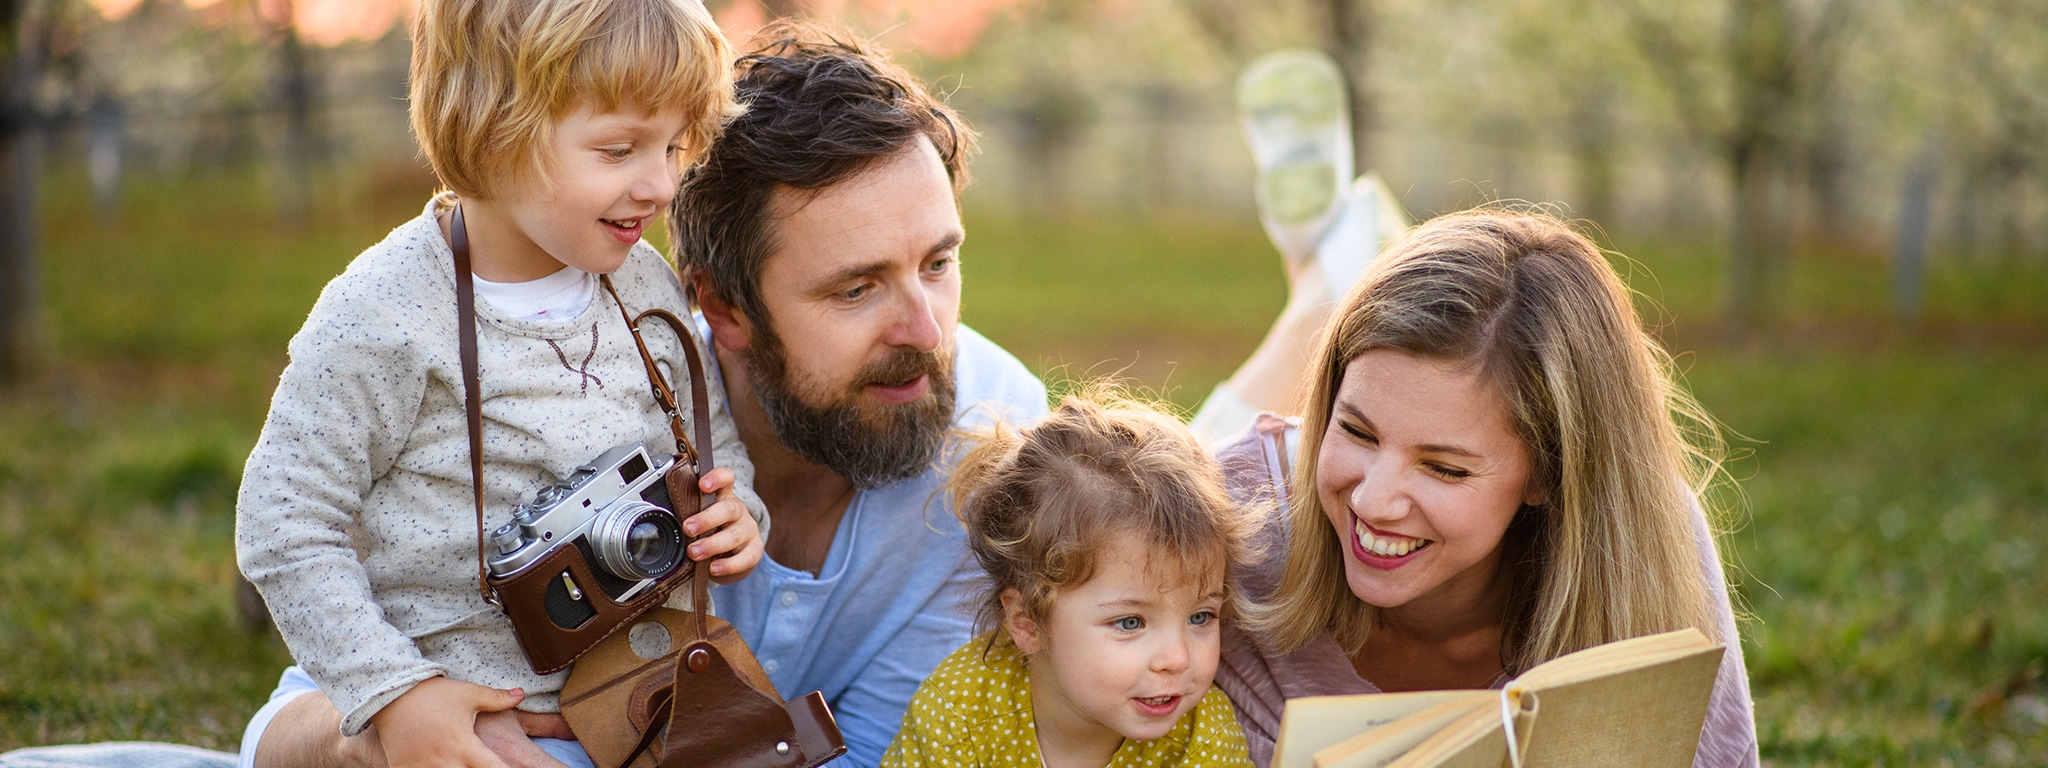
x=1380, y=493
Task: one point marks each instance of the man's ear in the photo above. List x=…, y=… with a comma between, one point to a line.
x=1023, y=631
x=729, y=326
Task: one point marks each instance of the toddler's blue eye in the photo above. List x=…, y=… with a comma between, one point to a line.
x=1202, y=618
x=1129, y=623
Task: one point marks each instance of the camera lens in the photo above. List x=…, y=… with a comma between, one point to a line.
x=637, y=540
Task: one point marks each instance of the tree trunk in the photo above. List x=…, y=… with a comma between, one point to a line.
x=1593, y=138
x=295, y=151
x=1347, y=37
x=20, y=277
x=1752, y=245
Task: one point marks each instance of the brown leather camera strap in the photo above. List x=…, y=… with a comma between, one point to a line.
x=698, y=452
x=472, y=404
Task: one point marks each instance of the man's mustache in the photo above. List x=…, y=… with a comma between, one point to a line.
x=901, y=367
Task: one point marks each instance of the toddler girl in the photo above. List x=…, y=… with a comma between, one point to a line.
x=1109, y=540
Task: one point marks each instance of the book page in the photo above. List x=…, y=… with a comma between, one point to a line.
x=1380, y=746
x=1649, y=716
x=1474, y=740
x=1312, y=723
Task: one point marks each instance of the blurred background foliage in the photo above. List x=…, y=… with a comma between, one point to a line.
x=1835, y=213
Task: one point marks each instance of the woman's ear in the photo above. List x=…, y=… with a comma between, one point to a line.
x=1536, y=494
x=729, y=326
x=1023, y=631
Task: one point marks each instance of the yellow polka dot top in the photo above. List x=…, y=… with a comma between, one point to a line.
x=976, y=712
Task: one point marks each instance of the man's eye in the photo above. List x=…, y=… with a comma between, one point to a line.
x=853, y=293
x=939, y=266
x=1129, y=624
x=1202, y=618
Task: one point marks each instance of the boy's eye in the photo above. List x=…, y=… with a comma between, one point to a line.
x=1202, y=618
x=618, y=153
x=1129, y=624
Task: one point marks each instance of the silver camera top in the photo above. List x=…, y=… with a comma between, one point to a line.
x=559, y=512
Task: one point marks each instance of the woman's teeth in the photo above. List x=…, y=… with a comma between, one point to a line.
x=1385, y=545
x=629, y=224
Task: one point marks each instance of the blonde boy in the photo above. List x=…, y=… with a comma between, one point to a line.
x=560, y=129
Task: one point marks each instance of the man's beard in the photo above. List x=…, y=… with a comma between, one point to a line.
x=870, y=445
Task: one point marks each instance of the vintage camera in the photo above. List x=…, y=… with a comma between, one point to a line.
x=589, y=553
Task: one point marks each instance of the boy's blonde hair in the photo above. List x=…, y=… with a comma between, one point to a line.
x=1617, y=447
x=1039, y=504
x=490, y=78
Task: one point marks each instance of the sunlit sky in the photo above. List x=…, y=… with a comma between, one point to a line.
x=943, y=28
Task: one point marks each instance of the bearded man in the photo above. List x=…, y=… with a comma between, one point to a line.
x=821, y=238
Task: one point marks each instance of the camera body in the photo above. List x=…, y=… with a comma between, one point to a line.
x=588, y=554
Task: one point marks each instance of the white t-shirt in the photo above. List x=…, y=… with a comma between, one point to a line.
x=560, y=296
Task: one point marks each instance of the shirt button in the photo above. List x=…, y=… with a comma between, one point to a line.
x=770, y=666
x=788, y=599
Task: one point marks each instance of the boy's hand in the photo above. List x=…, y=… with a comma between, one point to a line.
x=734, y=547
x=434, y=724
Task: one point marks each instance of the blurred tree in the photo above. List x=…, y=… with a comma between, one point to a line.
x=2002, y=144
x=296, y=80
x=21, y=54
x=1347, y=36
x=1739, y=95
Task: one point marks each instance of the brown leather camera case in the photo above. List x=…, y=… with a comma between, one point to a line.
x=550, y=647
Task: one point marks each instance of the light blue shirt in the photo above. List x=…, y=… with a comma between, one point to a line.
x=897, y=592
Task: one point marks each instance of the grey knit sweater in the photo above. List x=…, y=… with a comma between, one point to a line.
x=355, y=518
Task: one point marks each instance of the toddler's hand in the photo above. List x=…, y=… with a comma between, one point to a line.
x=734, y=548
x=434, y=724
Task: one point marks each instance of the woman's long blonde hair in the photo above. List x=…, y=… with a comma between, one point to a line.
x=1617, y=446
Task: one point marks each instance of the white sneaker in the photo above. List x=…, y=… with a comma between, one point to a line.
x=1297, y=118
x=1366, y=221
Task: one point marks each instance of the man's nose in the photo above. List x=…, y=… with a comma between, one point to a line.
x=916, y=324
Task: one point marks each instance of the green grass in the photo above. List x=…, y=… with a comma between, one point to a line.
x=1890, y=549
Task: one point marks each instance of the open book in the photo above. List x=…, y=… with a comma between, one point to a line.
x=1636, y=702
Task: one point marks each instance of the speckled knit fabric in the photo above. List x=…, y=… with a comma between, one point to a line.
x=975, y=712
x=355, y=517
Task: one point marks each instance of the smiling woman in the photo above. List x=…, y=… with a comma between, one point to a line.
x=1497, y=468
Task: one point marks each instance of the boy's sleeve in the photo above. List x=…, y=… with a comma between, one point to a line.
x=341, y=413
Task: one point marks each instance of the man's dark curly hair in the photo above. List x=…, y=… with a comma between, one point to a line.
x=821, y=106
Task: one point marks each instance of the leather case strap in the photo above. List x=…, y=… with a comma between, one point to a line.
x=472, y=403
